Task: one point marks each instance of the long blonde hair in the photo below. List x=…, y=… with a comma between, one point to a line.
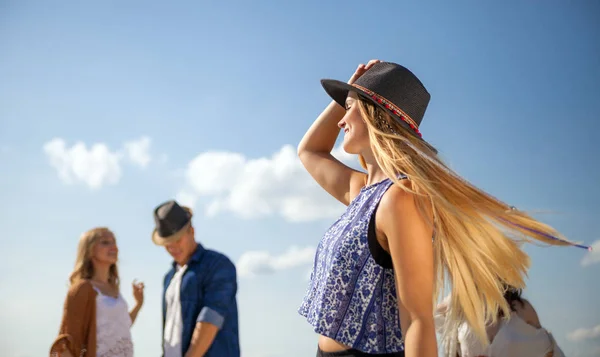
x=84, y=268
x=475, y=245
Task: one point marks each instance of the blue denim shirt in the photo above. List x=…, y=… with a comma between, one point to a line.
x=208, y=294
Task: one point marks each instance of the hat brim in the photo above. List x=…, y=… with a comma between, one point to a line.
x=162, y=241
x=338, y=91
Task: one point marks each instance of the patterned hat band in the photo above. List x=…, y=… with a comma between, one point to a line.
x=391, y=107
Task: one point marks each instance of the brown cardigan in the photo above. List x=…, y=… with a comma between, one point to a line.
x=78, y=327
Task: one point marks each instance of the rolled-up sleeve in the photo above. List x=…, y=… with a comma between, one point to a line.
x=219, y=294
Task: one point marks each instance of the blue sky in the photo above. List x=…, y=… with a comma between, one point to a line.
x=206, y=101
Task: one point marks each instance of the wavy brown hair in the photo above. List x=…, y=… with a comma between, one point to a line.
x=476, y=253
x=84, y=268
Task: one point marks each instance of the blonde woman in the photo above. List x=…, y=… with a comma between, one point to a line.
x=377, y=270
x=95, y=320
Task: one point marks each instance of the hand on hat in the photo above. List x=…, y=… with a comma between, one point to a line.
x=361, y=69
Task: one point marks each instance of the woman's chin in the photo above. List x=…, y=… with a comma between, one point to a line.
x=110, y=260
x=350, y=149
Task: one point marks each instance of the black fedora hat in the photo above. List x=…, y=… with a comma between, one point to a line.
x=390, y=86
x=172, y=221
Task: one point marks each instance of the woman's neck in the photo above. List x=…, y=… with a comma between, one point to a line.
x=101, y=273
x=374, y=172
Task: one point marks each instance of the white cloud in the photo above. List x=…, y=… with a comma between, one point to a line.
x=97, y=166
x=584, y=334
x=138, y=151
x=186, y=198
x=94, y=167
x=593, y=256
x=266, y=186
x=254, y=263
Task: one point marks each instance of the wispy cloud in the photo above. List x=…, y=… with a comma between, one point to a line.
x=265, y=186
x=97, y=165
x=593, y=256
x=254, y=263
x=584, y=334
x=138, y=151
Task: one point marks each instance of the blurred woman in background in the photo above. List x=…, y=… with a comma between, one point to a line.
x=96, y=321
x=518, y=335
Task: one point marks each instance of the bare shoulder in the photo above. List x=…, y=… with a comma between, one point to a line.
x=526, y=306
x=399, y=206
x=399, y=217
x=395, y=197
x=527, y=312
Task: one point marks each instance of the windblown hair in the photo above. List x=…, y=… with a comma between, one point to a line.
x=476, y=253
x=84, y=267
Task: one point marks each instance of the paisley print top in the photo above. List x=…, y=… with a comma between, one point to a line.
x=351, y=298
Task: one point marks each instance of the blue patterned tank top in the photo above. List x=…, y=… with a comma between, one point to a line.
x=351, y=297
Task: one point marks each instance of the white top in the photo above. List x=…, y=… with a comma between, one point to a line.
x=514, y=338
x=113, y=324
x=469, y=343
x=173, y=320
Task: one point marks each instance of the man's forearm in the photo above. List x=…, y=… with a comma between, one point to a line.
x=202, y=338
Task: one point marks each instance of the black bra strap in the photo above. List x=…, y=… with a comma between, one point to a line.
x=380, y=255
